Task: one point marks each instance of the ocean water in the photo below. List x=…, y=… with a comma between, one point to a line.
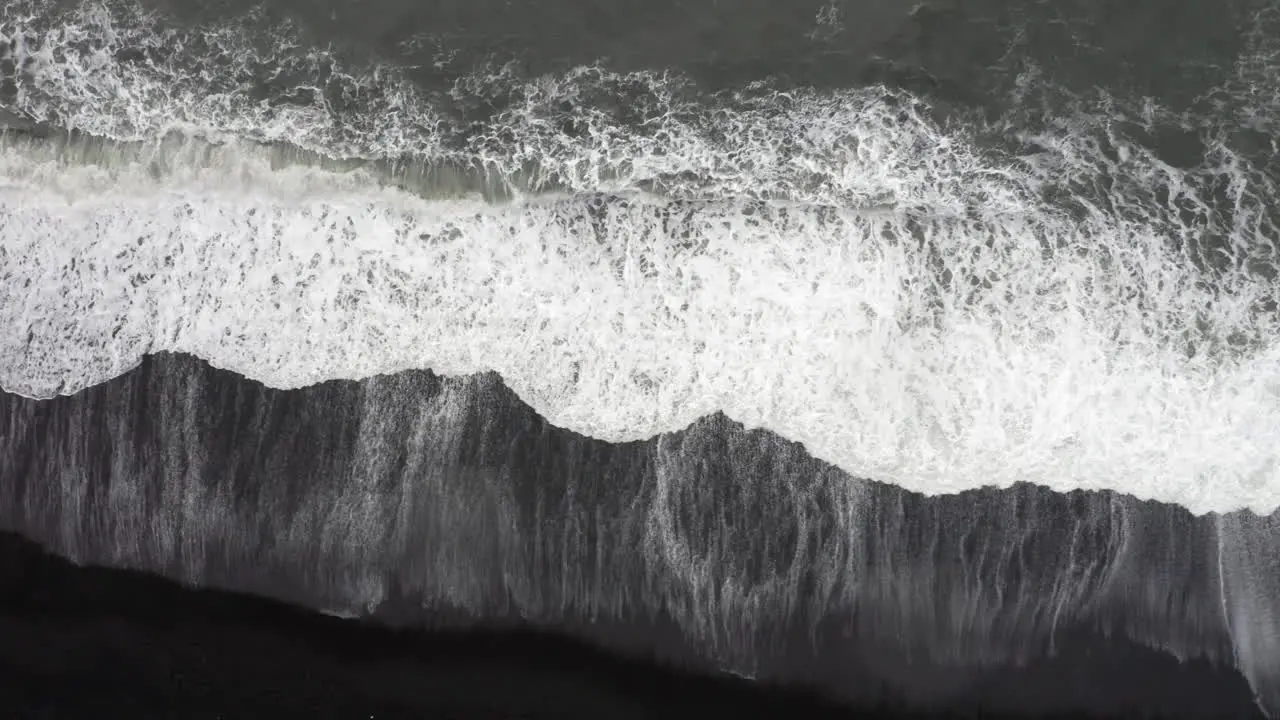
x=973, y=306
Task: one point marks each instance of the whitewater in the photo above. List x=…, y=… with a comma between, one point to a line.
x=935, y=301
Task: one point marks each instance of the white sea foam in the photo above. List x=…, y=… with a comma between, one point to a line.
x=836, y=267
x=966, y=355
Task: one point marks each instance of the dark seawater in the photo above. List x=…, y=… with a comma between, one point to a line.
x=924, y=350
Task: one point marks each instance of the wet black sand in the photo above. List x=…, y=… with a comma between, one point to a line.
x=93, y=642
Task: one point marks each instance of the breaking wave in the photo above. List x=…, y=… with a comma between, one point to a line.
x=936, y=300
